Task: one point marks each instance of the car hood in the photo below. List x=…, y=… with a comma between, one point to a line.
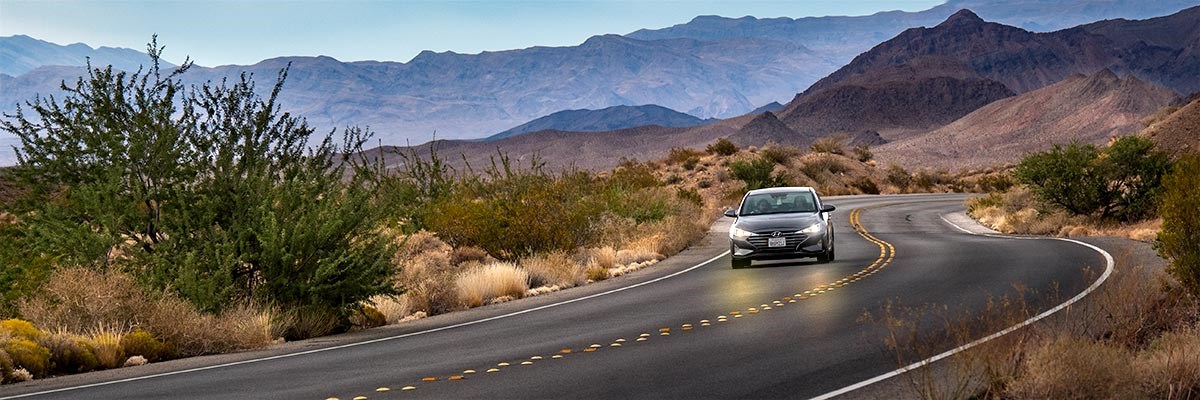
x=777, y=222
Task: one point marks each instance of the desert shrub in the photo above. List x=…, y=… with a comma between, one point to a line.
x=722, y=147
x=224, y=196
x=554, y=268
x=20, y=328
x=548, y=210
x=427, y=275
x=1122, y=181
x=898, y=176
x=393, y=308
x=689, y=195
x=468, y=253
x=820, y=165
x=1074, y=368
x=70, y=353
x=1170, y=367
x=927, y=179
x=779, y=154
x=1177, y=241
x=78, y=299
x=757, y=173
x=367, y=316
x=309, y=322
x=828, y=144
x=998, y=182
x=862, y=153
x=865, y=184
x=28, y=354
x=6, y=367
x=690, y=164
x=141, y=343
x=477, y=286
x=683, y=155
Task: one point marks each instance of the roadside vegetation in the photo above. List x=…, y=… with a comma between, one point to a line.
x=149, y=220
x=1134, y=338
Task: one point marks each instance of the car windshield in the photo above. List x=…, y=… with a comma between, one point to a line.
x=779, y=203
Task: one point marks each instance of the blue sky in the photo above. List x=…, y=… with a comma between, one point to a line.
x=244, y=32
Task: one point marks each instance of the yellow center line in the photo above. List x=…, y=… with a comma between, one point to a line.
x=887, y=253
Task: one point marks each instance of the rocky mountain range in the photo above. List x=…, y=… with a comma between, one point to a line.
x=1088, y=109
x=605, y=119
x=21, y=54
x=1178, y=130
x=709, y=67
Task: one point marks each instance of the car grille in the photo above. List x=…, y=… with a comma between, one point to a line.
x=793, y=239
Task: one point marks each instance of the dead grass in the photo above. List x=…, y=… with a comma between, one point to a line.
x=393, y=308
x=1016, y=211
x=480, y=285
x=78, y=299
x=1134, y=338
x=554, y=269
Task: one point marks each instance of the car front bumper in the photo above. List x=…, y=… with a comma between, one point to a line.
x=798, y=245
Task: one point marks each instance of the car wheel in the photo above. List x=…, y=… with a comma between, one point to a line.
x=823, y=257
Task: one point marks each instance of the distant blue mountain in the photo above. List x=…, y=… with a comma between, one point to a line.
x=605, y=119
x=772, y=107
x=20, y=54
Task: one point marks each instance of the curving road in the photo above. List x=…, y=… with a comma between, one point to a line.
x=796, y=347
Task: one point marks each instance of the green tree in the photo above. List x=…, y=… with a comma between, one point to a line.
x=757, y=173
x=214, y=192
x=1179, y=239
x=1122, y=181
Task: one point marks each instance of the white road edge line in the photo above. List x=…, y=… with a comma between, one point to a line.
x=1095, y=285
x=383, y=339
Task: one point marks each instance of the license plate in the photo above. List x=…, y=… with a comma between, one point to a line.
x=777, y=242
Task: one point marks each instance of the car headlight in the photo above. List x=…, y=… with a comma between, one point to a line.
x=812, y=229
x=734, y=232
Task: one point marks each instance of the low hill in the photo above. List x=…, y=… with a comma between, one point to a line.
x=1178, y=131
x=605, y=119
x=1089, y=109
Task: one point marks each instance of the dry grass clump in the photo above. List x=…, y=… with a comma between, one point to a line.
x=780, y=154
x=425, y=274
x=393, y=308
x=479, y=285
x=829, y=144
x=467, y=254
x=78, y=299
x=556, y=268
x=1076, y=368
x=1170, y=367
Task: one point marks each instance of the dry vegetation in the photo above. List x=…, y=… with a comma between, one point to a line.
x=1017, y=211
x=1135, y=338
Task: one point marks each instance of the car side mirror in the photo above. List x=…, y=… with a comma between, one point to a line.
x=828, y=208
x=731, y=213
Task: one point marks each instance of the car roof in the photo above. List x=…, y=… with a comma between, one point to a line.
x=786, y=189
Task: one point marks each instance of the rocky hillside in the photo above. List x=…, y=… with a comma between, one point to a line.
x=605, y=119
x=1178, y=130
x=1088, y=109
x=1159, y=50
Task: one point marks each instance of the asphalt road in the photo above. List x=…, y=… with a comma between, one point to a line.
x=801, y=347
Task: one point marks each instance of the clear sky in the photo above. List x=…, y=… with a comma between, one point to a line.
x=244, y=32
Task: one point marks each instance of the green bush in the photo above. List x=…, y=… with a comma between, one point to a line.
x=70, y=354
x=1122, y=181
x=722, y=147
x=1179, y=239
x=866, y=185
x=27, y=354
x=20, y=328
x=898, y=176
x=757, y=173
x=222, y=194
x=142, y=343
